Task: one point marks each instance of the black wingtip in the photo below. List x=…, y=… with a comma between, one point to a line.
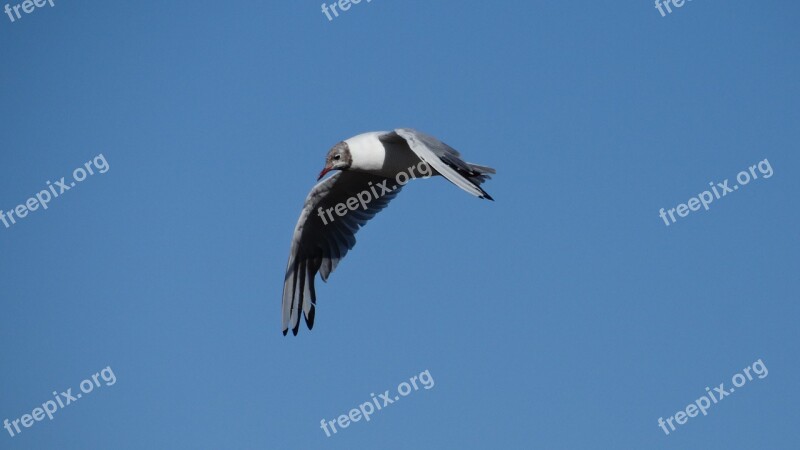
x=286, y=330
x=310, y=318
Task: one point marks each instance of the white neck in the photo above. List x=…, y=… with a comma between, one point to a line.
x=367, y=152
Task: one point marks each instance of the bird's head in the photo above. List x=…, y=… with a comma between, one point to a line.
x=338, y=158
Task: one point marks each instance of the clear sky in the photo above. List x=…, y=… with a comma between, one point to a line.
x=564, y=315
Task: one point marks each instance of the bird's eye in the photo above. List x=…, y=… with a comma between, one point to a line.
x=337, y=157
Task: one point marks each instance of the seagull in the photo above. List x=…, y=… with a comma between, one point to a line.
x=339, y=205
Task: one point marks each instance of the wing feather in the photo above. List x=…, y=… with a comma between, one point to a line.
x=318, y=246
x=445, y=160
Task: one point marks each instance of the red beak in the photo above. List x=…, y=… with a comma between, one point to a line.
x=324, y=171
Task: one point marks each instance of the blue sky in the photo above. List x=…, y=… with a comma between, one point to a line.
x=563, y=315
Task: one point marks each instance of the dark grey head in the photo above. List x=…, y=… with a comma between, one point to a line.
x=338, y=158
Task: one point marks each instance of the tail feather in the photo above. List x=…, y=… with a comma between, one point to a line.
x=479, y=174
x=474, y=173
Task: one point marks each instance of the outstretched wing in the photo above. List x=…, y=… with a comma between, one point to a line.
x=446, y=161
x=319, y=244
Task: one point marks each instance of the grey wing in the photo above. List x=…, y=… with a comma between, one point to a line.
x=318, y=246
x=446, y=161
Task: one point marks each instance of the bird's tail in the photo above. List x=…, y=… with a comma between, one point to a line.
x=479, y=174
x=474, y=173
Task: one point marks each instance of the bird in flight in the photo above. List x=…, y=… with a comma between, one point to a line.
x=339, y=205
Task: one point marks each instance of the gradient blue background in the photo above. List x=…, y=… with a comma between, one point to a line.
x=564, y=315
